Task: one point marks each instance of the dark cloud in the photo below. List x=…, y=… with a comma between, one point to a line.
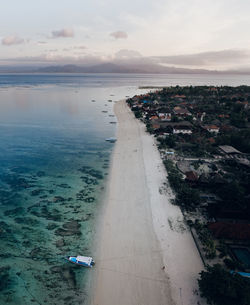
x=66, y=33
x=205, y=58
x=12, y=40
x=119, y=35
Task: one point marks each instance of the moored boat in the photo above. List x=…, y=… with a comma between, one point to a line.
x=84, y=261
x=111, y=140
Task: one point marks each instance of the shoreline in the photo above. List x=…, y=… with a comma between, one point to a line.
x=142, y=243
x=99, y=222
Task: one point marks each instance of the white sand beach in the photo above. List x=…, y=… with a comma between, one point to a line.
x=146, y=255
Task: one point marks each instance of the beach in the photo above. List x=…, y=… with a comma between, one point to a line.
x=146, y=254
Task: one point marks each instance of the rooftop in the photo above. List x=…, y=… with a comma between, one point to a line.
x=227, y=149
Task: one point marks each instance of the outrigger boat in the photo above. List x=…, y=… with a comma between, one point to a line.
x=111, y=140
x=84, y=261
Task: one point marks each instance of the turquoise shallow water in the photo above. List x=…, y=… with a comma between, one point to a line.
x=53, y=167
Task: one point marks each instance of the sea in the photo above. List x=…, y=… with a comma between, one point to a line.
x=54, y=167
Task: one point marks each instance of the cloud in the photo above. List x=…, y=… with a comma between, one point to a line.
x=119, y=35
x=66, y=33
x=222, y=57
x=125, y=54
x=237, y=60
x=80, y=47
x=51, y=58
x=12, y=40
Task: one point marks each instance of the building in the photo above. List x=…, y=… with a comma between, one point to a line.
x=179, y=111
x=165, y=116
x=229, y=150
x=212, y=128
x=182, y=129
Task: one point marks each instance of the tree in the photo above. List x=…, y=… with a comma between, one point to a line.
x=220, y=287
x=188, y=197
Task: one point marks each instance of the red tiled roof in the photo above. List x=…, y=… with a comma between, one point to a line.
x=213, y=127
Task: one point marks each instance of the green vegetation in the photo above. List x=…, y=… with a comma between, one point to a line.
x=186, y=196
x=220, y=287
x=206, y=239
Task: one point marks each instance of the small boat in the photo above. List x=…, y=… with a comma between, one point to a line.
x=110, y=101
x=104, y=111
x=84, y=261
x=93, y=101
x=112, y=122
x=111, y=140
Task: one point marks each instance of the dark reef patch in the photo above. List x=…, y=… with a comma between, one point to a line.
x=91, y=172
x=15, y=212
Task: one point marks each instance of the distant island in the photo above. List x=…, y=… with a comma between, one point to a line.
x=113, y=68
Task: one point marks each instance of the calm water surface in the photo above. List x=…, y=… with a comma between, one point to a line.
x=53, y=166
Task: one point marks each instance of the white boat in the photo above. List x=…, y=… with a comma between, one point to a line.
x=84, y=261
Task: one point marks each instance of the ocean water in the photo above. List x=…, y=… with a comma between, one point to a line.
x=54, y=164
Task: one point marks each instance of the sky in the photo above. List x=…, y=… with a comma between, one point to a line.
x=210, y=34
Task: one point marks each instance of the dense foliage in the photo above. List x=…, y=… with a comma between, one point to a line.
x=186, y=196
x=220, y=287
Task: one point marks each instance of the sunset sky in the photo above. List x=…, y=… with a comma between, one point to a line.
x=183, y=33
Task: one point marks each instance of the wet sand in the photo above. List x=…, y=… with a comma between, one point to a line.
x=146, y=255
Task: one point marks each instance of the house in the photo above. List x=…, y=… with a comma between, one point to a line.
x=179, y=98
x=183, y=129
x=212, y=128
x=153, y=117
x=165, y=116
x=181, y=111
